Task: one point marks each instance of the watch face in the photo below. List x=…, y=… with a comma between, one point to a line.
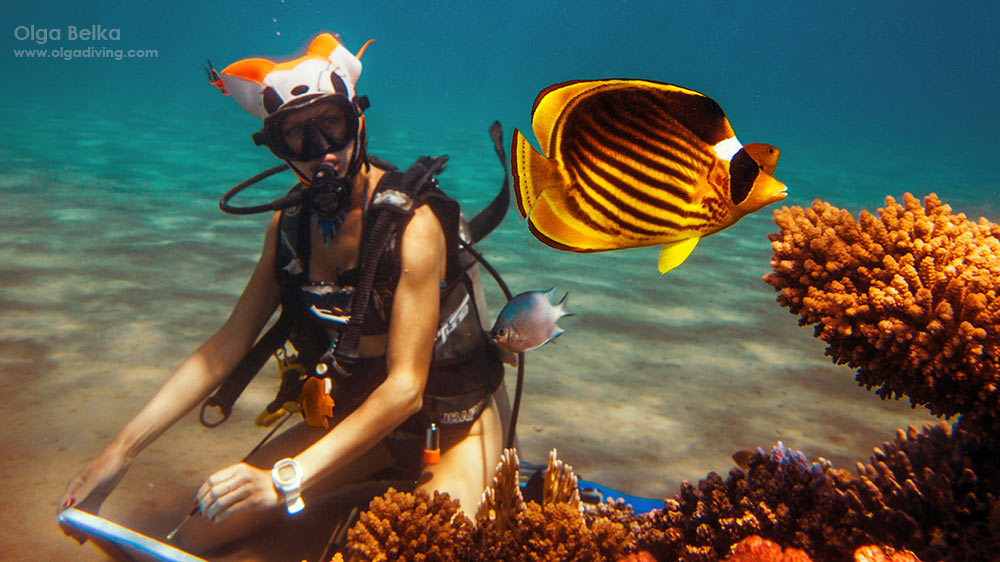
x=286, y=473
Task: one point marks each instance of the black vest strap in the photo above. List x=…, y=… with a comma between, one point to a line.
x=492, y=215
x=393, y=209
x=241, y=375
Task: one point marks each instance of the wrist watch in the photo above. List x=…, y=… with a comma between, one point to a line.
x=287, y=479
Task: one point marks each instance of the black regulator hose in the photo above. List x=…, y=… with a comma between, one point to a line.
x=518, y=389
x=482, y=224
x=286, y=201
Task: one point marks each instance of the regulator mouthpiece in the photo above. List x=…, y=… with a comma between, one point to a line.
x=331, y=195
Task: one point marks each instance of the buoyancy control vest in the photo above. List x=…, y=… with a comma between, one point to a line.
x=465, y=369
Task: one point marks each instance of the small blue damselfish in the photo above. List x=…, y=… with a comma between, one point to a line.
x=529, y=321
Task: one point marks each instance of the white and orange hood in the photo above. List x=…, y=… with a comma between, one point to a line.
x=261, y=86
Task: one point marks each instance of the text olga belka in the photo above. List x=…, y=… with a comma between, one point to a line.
x=42, y=35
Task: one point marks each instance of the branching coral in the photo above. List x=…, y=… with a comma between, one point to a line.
x=932, y=491
x=404, y=526
x=883, y=554
x=551, y=533
x=502, y=501
x=555, y=530
x=756, y=549
x=560, y=483
x=908, y=298
x=641, y=556
x=782, y=497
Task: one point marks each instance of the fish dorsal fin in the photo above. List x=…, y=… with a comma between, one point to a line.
x=674, y=254
x=551, y=104
x=700, y=114
x=697, y=112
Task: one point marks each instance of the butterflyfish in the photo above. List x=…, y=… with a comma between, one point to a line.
x=632, y=163
x=528, y=321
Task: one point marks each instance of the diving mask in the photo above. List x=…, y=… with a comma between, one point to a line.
x=311, y=126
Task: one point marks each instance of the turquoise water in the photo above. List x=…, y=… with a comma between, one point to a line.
x=116, y=262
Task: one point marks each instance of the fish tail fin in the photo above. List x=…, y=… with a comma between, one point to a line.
x=532, y=173
x=555, y=334
x=562, y=307
x=674, y=254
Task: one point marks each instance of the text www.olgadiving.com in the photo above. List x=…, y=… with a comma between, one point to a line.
x=65, y=53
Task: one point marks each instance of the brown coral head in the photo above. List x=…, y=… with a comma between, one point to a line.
x=907, y=296
x=405, y=526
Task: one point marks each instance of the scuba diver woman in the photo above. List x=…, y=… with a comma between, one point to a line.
x=380, y=300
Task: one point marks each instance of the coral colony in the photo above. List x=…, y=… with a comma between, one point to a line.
x=908, y=299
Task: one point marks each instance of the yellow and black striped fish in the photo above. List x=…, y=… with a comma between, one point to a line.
x=632, y=163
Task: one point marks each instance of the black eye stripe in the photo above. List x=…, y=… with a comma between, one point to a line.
x=743, y=171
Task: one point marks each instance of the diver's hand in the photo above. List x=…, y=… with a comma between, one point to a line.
x=89, y=488
x=240, y=487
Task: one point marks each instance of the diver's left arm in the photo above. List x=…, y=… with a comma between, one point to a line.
x=412, y=329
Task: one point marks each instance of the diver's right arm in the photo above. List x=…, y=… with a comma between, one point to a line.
x=196, y=378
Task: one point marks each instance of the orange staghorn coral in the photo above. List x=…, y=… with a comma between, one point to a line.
x=560, y=483
x=510, y=529
x=502, y=501
x=552, y=533
x=907, y=297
